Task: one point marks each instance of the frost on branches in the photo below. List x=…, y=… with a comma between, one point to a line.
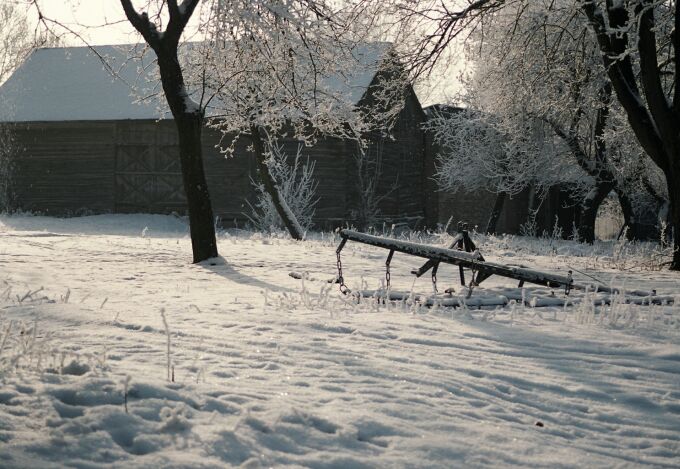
x=297, y=68
x=297, y=189
x=540, y=91
x=293, y=69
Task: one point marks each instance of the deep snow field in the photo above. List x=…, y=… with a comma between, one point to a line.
x=260, y=369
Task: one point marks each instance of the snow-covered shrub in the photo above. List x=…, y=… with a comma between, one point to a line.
x=529, y=227
x=557, y=231
x=297, y=186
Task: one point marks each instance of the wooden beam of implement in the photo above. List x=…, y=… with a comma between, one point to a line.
x=473, y=260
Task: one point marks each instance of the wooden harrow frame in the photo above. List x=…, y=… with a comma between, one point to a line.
x=463, y=253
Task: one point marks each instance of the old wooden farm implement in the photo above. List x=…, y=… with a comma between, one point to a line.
x=463, y=253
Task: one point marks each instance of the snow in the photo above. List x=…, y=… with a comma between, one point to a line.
x=73, y=84
x=274, y=371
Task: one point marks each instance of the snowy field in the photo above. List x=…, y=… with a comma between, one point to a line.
x=259, y=369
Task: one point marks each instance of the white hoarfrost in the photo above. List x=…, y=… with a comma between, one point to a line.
x=116, y=351
x=539, y=112
x=296, y=190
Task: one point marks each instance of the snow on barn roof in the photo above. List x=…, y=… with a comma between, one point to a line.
x=105, y=83
x=73, y=83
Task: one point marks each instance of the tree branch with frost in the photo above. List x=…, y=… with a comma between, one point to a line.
x=431, y=27
x=631, y=30
x=613, y=39
x=540, y=65
x=295, y=69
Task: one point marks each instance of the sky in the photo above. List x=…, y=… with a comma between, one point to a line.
x=103, y=22
x=98, y=21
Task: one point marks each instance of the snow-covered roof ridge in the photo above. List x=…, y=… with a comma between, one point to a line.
x=101, y=83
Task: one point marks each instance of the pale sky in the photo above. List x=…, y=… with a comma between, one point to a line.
x=103, y=22
x=98, y=21
x=87, y=17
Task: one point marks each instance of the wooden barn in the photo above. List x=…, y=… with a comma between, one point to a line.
x=86, y=144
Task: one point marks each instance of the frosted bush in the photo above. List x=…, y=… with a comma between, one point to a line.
x=298, y=189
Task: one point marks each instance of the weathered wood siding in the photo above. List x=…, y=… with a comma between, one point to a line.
x=229, y=178
x=65, y=168
x=133, y=166
x=396, y=164
x=148, y=176
x=475, y=208
x=329, y=157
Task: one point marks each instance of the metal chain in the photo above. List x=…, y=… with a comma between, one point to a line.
x=434, y=278
x=470, y=288
x=341, y=280
x=388, y=276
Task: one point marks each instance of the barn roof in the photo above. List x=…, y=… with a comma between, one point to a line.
x=104, y=83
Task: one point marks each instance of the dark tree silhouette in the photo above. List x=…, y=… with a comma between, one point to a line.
x=188, y=117
x=652, y=114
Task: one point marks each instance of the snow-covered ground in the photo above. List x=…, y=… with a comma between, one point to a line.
x=264, y=370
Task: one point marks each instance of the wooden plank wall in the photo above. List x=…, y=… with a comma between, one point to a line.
x=65, y=168
x=231, y=188
x=330, y=160
x=81, y=167
x=228, y=179
x=399, y=162
x=148, y=175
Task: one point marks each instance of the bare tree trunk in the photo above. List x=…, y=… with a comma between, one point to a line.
x=188, y=119
x=496, y=212
x=589, y=209
x=637, y=229
x=272, y=188
x=201, y=219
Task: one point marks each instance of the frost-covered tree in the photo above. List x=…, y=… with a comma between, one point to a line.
x=187, y=113
x=16, y=38
x=640, y=48
x=479, y=152
x=289, y=69
x=297, y=186
x=539, y=65
x=549, y=62
x=509, y=142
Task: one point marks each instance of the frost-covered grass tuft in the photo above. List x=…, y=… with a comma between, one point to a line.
x=26, y=346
